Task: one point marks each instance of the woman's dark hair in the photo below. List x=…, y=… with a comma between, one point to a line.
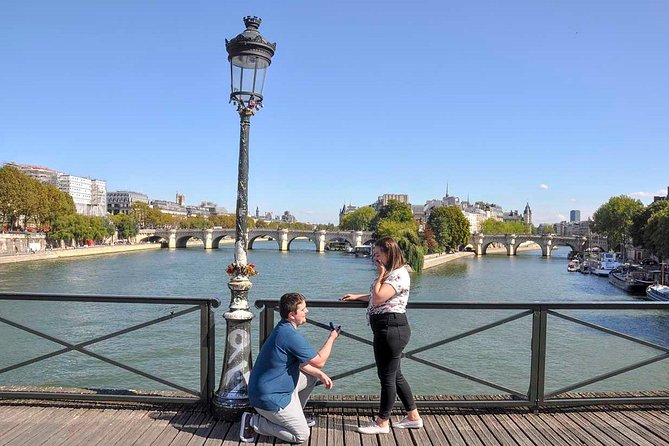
x=390, y=248
x=288, y=304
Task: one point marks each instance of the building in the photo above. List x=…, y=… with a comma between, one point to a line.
x=574, y=215
x=89, y=195
x=527, y=214
x=41, y=174
x=346, y=210
x=385, y=198
x=180, y=199
x=572, y=228
x=170, y=207
x=287, y=217
x=120, y=202
x=660, y=198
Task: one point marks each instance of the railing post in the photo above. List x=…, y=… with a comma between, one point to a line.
x=207, y=352
x=266, y=324
x=538, y=361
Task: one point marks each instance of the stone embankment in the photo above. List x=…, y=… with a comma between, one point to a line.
x=76, y=252
x=432, y=260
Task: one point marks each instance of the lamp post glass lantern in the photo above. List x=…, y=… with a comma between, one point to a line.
x=249, y=54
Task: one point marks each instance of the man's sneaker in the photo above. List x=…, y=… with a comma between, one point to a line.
x=311, y=422
x=246, y=432
x=373, y=429
x=408, y=424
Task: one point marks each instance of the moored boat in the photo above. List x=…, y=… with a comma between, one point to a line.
x=606, y=263
x=630, y=278
x=658, y=292
x=573, y=266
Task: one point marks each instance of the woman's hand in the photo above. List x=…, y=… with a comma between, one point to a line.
x=381, y=268
x=346, y=297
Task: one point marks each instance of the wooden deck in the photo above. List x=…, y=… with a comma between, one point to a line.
x=43, y=423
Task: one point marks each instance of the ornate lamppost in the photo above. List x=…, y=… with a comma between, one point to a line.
x=249, y=54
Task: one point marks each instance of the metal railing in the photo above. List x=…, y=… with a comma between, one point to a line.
x=536, y=395
x=206, y=343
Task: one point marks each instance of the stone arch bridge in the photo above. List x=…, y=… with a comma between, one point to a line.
x=480, y=242
x=178, y=238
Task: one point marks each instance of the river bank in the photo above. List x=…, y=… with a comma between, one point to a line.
x=77, y=252
x=432, y=260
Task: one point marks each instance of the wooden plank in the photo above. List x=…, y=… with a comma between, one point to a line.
x=82, y=427
x=31, y=420
x=365, y=416
x=232, y=437
x=63, y=436
x=449, y=429
x=592, y=423
x=335, y=436
x=645, y=419
x=482, y=430
x=584, y=430
x=43, y=430
x=497, y=428
x=160, y=421
x=531, y=431
x=574, y=429
x=319, y=432
x=432, y=429
x=349, y=425
x=465, y=429
x=627, y=430
x=172, y=429
x=558, y=430
x=187, y=430
x=218, y=433
x=202, y=432
x=77, y=421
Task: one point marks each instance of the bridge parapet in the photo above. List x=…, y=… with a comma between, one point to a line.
x=178, y=238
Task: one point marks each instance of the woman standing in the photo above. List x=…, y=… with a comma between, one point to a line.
x=387, y=316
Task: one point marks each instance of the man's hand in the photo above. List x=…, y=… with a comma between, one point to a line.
x=334, y=330
x=327, y=382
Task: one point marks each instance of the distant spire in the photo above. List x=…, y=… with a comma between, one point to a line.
x=447, y=188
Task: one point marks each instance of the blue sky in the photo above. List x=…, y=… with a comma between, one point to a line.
x=561, y=104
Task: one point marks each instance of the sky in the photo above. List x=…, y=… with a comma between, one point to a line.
x=559, y=104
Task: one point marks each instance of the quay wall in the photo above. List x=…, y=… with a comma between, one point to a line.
x=432, y=260
x=76, y=252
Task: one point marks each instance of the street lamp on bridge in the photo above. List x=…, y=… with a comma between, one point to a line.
x=249, y=54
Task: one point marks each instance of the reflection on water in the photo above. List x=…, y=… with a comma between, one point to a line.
x=170, y=349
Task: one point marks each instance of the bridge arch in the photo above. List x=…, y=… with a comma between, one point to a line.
x=269, y=235
x=216, y=242
x=312, y=239
x=182, y=239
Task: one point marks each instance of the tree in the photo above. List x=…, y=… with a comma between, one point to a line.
x=450, y=226
x=547, y=229
x=393, y=211
x=358, y=220
x=396, y=220
x=126, y=225
x=640, y=221
x=656, y=233
x=614, y=218
x=14, y=187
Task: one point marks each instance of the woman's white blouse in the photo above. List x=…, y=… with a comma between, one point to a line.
x=399, y=279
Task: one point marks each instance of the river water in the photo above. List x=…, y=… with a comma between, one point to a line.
x=170, y=349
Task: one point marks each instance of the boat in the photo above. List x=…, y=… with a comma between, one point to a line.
x=573, y=266
x=632, y=279
x=658, y=292
x=363, y=251
x=606, y=263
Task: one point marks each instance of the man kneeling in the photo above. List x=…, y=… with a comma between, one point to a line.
x=284, y=376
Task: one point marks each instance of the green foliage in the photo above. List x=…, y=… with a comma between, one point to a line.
x=492, y=226
x=79, y=228
x=126, y=225
x=396, y=220
x=656, y=233
x=428, y=241
x=413, y=254
x=614, y=218
x=197, y=222
x=450, y=227
x=640, y=221
x=358, y=220
x=547, y=229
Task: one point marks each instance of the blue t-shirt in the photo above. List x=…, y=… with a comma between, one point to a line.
x=277, y=368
